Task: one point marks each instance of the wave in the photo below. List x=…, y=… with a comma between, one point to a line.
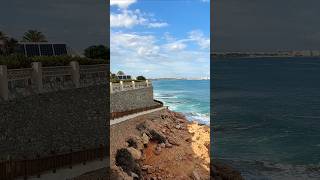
x=199, y=117
x=264, y=170
x=178, y=101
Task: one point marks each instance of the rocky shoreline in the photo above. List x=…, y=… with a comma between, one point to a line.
x=165, y=145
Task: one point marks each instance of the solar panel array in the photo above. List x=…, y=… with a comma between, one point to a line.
x=43, y=49
x=60, y=49
x=46, y=50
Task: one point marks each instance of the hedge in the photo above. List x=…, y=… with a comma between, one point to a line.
x=20, y=61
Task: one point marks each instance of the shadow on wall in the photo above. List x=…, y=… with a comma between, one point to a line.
x=37, y=125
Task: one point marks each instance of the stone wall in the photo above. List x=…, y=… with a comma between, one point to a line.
x=59, y=121
x=132, y=99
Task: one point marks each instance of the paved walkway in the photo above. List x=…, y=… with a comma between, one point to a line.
x=67, y=173
x=125, y=118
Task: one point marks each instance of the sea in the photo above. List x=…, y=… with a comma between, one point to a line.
x=190, y=97
x=266, y=117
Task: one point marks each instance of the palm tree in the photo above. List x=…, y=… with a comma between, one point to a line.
x=34, y=36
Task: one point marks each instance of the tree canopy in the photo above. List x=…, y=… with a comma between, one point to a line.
x=34, y=36
x=97, y=52
x=7, y=45
x=120, y=73
x=141, y=78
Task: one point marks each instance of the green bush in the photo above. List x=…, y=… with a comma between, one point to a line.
x=19, y=61
x=97, y=52
x=15, y=61
x=141, y=78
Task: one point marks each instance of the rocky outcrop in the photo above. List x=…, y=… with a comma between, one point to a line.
x=171, y=148
x=222, y=171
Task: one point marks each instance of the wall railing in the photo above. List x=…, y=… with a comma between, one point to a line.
x=115, y=115
x=126, y=86
x=11, y=169
x=27, y=81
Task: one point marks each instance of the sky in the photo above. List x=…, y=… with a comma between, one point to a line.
x=160, y=38
x=79, y=23
x=266, y=25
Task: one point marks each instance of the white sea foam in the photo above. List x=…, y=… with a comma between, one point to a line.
x=201, y=118
x=262, y=170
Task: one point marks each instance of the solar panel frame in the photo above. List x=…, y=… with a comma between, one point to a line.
x=42, y=49
x=60, y=49
x=46, y=50
x=32, y=50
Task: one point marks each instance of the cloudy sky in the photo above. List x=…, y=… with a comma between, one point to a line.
x=79, y=23
x=266, y=25
x=160, y=38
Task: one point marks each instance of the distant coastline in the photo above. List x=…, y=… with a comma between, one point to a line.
x=203, y=78
x=276, y=54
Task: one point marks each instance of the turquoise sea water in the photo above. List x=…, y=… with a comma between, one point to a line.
x=266, y=115
x=191, y=97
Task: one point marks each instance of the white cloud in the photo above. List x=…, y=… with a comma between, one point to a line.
x=122, y=3
x=175, y=46
x=157, y=24
x=126, y=19
x=168, y=37
x=137, y=44
x=130, y=18
x=198, y=37
x=138, y=54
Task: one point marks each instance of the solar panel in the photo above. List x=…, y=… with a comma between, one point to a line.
x=42, y=49
x=46, y=49
x=60, y=49
x=32, y=50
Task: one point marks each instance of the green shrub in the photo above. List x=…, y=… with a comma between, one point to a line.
x=141, y=78
x=15, y=61
x=20, y=61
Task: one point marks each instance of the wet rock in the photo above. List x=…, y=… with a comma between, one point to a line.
x=219, y=170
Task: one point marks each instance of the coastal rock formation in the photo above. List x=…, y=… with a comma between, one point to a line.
x=222, y=171
x=173, y=148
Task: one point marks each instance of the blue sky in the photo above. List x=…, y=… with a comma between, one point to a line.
x=167, y=38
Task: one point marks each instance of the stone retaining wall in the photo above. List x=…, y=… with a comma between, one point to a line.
x=58, y=121
x=132, y=99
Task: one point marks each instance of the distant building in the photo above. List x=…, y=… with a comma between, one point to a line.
x=43, y=49
x=123, y=76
